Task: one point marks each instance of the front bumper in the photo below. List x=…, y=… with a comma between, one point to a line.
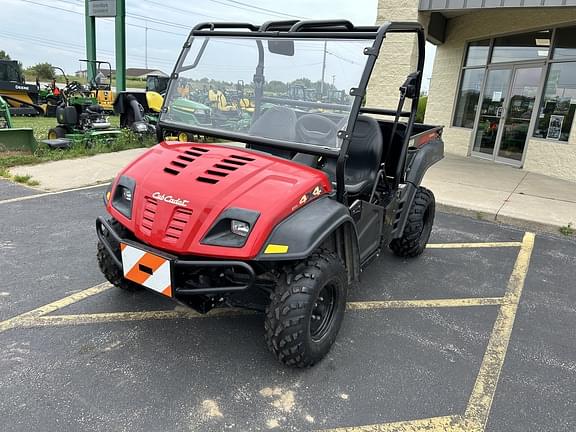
x=181, y=267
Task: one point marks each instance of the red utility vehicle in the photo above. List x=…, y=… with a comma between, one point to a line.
x=284, y=219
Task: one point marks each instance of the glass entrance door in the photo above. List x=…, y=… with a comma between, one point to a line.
x=489, y=124
x=506, y=112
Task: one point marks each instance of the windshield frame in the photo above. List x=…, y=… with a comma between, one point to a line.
x=323, y=30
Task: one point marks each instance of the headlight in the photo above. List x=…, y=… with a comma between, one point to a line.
x=232, y=228
x=240, y=228
x=126, y=194
x=123, y=195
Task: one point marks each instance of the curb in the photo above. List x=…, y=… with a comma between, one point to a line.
x=524, y=224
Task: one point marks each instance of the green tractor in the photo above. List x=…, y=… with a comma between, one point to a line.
x=13, y=139
x=80, y=120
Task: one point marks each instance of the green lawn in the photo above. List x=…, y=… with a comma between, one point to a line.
x=43, y=153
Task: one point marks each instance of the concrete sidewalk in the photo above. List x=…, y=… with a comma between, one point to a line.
x=467, y=186
x=491, y=191
x=73, y=173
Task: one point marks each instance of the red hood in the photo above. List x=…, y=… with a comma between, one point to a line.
x=182, y=188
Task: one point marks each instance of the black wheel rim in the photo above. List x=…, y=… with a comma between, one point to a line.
x=323, y=312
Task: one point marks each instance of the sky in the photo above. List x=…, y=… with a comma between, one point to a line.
x=35, y=31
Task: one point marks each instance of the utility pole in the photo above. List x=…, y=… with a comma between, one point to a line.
x=90, y=43
x=120, y=45
x=323, y=71
x=146, y=45
x=107, y=9
x=333, y=79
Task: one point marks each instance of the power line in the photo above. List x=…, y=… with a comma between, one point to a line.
x=112, y=22
x=66, y=47
x=265, y=10
x=181, y=10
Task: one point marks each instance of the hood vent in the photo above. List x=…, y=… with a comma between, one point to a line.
x=184, y=159
x=148, y=215
x=223, y=168
x=244, y=158
x=177, y=224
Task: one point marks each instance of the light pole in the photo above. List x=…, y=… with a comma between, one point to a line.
x=323, y=71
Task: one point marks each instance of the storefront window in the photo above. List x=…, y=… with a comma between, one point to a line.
x=556, y=113
x=468, y=98
x=526, y=46
x=556, y=52
x=565, y=46
x=477, y=54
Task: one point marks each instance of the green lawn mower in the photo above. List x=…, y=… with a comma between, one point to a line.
x=139, y=112
x=80, y=120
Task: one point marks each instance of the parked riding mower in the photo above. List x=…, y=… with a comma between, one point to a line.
x=101, y=85
x=140, y=111
x=50, y=96
x=80, y=119
x=286, y=225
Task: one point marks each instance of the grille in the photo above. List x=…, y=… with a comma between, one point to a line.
x=179, y=220
x=149, y=214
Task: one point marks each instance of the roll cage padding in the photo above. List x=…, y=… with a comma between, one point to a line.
x=309, y=227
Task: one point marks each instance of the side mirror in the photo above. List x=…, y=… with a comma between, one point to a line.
x=282, y=47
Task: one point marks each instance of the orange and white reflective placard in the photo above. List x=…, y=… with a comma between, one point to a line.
x=146, y=269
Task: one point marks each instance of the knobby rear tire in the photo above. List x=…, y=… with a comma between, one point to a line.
x=418, y=227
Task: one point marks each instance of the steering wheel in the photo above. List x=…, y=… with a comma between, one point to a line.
x=316, y=129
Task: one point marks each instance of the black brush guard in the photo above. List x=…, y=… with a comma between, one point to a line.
x=178, y=265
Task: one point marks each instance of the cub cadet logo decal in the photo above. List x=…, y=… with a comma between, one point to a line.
x=318, y=190
x=19, y=87
x=170, y=199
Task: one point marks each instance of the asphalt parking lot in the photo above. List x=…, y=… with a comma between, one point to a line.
x=477, y=334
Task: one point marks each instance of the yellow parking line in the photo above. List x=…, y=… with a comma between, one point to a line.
x=78, y=319
x=41, y=195
x=434, y=424
x=473, y=245
x=433, y=303
x=480, y=401
x=52, y=307
x=96, y=318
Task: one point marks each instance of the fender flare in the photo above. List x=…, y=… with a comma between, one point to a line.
x=423, y=159
x=311, y=226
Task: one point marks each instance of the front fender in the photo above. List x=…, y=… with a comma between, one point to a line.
x=305, y=230
x=297, y=236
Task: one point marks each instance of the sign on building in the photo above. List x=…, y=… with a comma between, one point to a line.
x=102, y=8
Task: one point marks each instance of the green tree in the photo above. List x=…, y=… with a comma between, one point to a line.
x=276, y=86
x=421, y=109
x=42, y=71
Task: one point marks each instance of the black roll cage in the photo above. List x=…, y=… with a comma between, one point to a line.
x=314, y=29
